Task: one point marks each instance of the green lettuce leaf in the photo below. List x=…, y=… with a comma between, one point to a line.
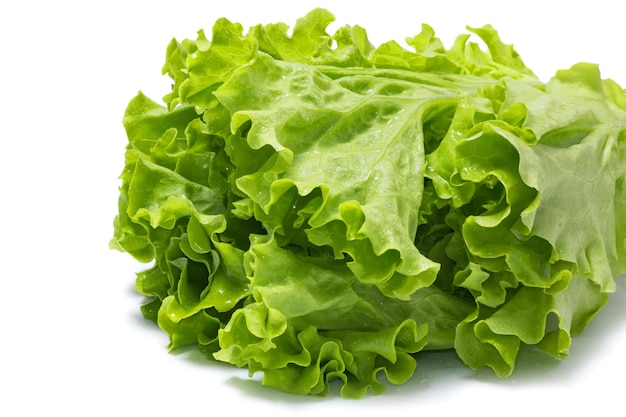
x=316, y=208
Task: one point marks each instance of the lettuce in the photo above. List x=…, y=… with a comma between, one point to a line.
x=318, y=209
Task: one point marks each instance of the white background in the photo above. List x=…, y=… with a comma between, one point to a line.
x=72, y=341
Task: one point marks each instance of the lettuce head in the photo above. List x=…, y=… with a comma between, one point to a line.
x=318, y=209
